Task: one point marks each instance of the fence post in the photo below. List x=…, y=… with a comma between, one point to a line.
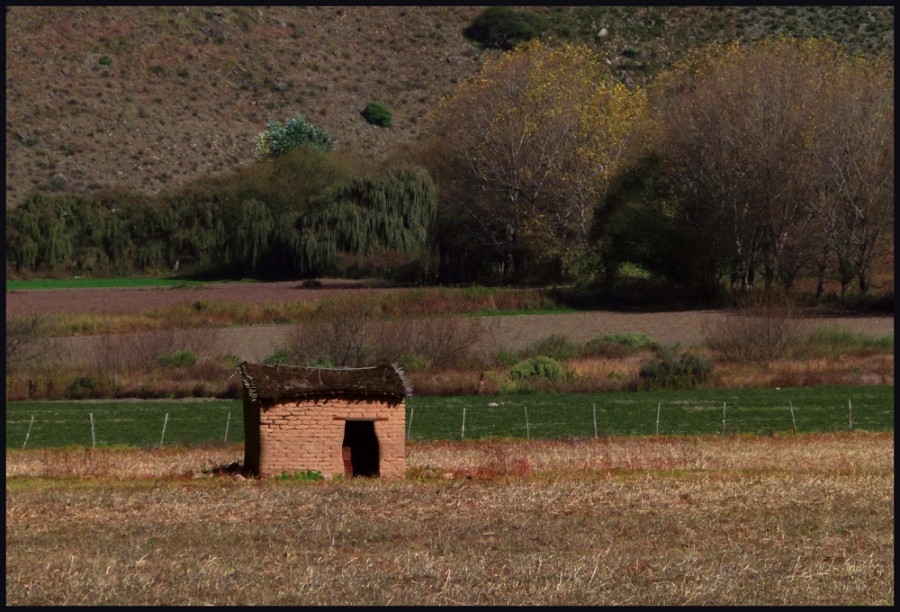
x=165, y=422
x=227, y=423
x=409, y=425
x=793, y=420
x=527, y=428
x=28, y=433
x=658, y=408
x=594, y=413
x=723, y=418
x=93, y=433
x=850, y=413
x=462, y=433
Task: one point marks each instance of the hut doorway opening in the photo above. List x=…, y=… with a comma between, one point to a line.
x=361, y=454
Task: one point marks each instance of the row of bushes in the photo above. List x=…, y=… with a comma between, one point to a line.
x=356, y=333
x=255, y=223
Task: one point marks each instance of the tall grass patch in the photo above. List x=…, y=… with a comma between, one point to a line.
x=830, y=342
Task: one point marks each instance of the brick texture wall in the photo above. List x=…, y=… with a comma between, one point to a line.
x=308, y=435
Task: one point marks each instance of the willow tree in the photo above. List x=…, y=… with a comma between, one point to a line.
x=394, y=212
x=523, y=151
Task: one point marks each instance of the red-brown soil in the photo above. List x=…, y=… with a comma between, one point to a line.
x=145, y=299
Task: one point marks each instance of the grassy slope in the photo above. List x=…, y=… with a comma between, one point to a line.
x=181, y=91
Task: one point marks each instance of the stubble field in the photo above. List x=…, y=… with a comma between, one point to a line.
x=782, y=520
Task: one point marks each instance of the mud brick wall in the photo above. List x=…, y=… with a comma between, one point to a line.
x=308, y=435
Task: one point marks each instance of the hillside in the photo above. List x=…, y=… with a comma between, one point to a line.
x=147, y=98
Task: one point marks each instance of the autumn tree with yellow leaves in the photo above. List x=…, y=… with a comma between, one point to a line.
x=524, y=152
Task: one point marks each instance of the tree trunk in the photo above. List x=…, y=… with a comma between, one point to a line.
x=863, y=278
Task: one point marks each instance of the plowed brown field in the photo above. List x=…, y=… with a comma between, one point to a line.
x=506, y=332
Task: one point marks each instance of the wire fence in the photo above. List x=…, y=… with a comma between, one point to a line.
x=535, y=421
x=156, y=423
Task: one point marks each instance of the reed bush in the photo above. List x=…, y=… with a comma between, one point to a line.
x=761, y=328
x=830, y=342
x=675, y=369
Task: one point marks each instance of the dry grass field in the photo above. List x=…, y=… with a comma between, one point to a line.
x=783, y=520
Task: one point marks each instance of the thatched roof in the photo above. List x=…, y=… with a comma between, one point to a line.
x=278, y=383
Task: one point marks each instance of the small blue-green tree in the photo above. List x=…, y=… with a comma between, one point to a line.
x=295, y=132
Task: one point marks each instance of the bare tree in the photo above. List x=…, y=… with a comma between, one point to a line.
x=852, y=166
x=783, y=151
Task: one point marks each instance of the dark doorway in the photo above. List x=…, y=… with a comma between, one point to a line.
x=360, y=438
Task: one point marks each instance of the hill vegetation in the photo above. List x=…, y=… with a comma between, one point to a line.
x=149, y=98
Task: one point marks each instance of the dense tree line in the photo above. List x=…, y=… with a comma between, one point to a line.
x=759, y=165
x=226, y=230
x=746, y=166
x=743, y=166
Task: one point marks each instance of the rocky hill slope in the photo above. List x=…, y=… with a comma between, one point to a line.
x=147, y=98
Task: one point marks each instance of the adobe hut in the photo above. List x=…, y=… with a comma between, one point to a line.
x=339, y=421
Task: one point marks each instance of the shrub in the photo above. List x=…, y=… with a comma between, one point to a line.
x=671, y=370
x=82, y=387
x=539, y=367
x=831, y=342
x=557, y=347
x=179, y=359
x=614, y=345
x=411, y=362
x=378, y=114
x=304, y=475
x=500, y=27
x=296, y=132
x=505, y=359
x=279, y=357
x=758, y=330
x=23, y=344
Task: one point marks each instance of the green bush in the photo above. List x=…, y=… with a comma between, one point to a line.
x=500, y=27
x=671, y=370
x=539, y=367
x=830, y=342
x=378, y=114
x=300, y=475
x=82, y=387
x=557, y=347
x=506, y=359
x=412, y=362
x=179, y=359
x=296, y=132
x=616, y=345
x=279, y=357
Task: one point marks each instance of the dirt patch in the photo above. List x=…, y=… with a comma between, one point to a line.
x=130, y=300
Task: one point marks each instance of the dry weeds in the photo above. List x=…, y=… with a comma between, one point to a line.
x=784, y=520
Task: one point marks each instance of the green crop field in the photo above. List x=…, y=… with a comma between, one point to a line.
x=149, y=423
